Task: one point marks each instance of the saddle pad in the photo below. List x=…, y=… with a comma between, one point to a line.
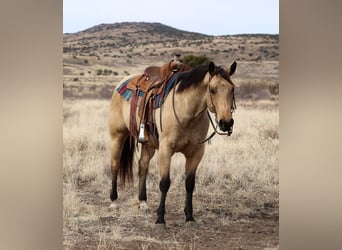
x=125, y=92
x=158, y=100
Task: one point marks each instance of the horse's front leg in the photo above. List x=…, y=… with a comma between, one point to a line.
x=164, y=161
x=192, y=161
x=144, y=161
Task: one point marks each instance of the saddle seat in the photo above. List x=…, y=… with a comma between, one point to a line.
x=154, y=77
x=153, y=71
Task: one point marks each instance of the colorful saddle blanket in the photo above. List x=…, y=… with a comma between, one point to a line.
x=157, y=99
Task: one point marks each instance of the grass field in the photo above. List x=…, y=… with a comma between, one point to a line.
x=236, y=184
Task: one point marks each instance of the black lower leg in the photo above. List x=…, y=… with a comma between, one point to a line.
x=142, y=190
x=114, y=192
x=189, y=186
x=164, y=187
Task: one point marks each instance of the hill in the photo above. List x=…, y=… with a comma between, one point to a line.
x=104, y=54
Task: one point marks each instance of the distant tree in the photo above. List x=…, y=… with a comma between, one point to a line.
x=274, y=88
x=195, y=61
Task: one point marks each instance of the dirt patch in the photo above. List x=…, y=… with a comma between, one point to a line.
x=99, y=227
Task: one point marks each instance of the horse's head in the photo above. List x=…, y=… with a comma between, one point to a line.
x=220, y=98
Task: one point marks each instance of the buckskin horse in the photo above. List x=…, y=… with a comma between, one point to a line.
x=181, y=125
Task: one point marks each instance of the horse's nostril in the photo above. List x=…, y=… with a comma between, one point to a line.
x=222, y=123
x=231, y=123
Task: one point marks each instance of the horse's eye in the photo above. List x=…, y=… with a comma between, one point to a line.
x=213, y=91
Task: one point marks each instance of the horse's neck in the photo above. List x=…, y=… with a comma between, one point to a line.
x=193, y=102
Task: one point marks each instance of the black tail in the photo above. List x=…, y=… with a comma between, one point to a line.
x=126, y=162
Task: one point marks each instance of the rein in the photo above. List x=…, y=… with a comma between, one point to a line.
x=168, y=76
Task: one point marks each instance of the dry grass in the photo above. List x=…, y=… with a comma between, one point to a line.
x=237, y=179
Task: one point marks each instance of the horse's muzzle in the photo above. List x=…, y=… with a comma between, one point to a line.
x=226, y=126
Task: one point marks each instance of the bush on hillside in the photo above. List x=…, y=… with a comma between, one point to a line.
x=195, y=61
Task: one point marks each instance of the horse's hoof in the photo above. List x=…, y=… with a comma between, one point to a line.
x=191, y=224
x=114, y=205
x=159, y=228
x=143, y=207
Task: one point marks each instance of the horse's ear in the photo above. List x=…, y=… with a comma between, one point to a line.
x=212, y=68
x=232, y=68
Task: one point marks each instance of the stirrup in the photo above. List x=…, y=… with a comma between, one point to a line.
x=141, y=137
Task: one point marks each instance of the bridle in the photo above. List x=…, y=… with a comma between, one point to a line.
x=233, y=108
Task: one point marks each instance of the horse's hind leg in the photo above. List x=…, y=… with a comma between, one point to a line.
x=117, y=143
x=144, y=161
x=164, y=161
x=191, y=165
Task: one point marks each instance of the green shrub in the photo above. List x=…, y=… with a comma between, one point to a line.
x=195, y=61
x=274, y=89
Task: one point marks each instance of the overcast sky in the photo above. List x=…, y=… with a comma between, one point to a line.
x=211, y=17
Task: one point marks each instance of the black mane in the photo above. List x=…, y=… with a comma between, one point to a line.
x=192, y=77
x=195, y=76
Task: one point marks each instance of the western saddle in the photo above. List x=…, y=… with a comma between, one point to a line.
x=152, y=82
